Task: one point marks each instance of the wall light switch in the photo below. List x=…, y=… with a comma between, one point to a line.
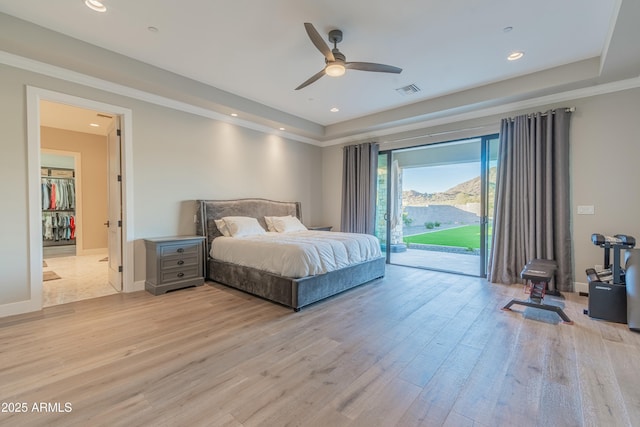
x=586, y=210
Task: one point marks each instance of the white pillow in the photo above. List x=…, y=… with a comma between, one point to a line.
x=239, y=226
x=287, y=224
x=222, y=227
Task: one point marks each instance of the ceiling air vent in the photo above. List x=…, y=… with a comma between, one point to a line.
x=408, y=90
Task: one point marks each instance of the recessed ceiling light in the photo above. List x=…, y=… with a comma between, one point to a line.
x=507, y=29
x=234, y=114
x=153, y=29
x=95, y=125
x=281, y=128
x=95, y=5
x=514, y=56
x=334, y=110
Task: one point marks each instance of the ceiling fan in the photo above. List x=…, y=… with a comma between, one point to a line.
x=336, y=64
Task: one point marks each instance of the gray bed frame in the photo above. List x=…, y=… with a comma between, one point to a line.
x=293, y=293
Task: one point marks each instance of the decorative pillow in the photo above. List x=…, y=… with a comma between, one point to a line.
x=269, y=221
x=222, y=227
x=287, y=224
x=239, y=226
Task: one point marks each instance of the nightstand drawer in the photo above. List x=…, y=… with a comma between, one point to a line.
x=173, y=262
x=179, y=249
x=167, y=276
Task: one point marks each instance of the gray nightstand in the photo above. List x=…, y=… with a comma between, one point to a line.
x=320, y=228
x=174, y=263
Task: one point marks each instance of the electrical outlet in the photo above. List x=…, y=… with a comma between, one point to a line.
x=586, y=210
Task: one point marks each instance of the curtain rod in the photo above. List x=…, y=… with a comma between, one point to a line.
x=567, y=110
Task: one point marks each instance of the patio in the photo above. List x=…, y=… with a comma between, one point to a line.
x=459, y=263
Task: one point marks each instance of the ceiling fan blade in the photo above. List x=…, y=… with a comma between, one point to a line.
x=318, y=42
x=312, y=79
x=370, y=66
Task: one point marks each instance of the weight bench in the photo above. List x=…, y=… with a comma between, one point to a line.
x=537, y=274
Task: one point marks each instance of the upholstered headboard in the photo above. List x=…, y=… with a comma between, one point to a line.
x=210, y=210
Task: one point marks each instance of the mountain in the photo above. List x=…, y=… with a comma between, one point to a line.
x=465, y=192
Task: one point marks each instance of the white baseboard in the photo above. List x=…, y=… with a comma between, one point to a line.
x=581, y=287
x=137, y=286
x=20, y=307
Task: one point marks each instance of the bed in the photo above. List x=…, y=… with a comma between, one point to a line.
x=293, y=292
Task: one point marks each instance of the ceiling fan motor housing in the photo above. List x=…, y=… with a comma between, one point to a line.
x=339, y=56
x=335, y=36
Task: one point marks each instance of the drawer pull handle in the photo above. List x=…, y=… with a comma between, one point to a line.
x=180, y=274
x=180, y=262
x=180, y=250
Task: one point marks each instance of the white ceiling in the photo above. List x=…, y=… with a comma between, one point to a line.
x=68, y=117
x=259, y=50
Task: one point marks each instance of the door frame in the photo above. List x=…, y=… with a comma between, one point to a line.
x=484, y=221
x=34, y=96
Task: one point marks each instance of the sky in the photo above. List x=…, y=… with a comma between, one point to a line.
x=438, y=178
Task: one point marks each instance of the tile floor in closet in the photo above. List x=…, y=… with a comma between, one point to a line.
x=81, y=277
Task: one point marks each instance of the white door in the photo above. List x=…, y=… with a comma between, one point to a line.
x=114, y=221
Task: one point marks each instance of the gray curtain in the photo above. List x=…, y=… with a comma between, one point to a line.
x=532, y=210
x=359, y=177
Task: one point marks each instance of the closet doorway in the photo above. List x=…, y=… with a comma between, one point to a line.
x=123, y=266
x=80, y=150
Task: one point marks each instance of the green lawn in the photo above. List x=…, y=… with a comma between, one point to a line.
x=465, y=237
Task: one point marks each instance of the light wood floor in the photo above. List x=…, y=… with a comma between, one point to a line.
x=415, y=348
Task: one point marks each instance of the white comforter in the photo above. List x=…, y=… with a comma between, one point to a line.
x=297, y=254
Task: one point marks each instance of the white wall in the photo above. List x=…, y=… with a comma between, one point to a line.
x=605, y=168
x=14, y=255
x=177, y=158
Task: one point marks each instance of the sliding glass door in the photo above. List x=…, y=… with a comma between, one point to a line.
x=435, y=205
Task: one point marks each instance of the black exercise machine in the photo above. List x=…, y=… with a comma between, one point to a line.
x=537, y=275
x=615, y=243
x=607, y=288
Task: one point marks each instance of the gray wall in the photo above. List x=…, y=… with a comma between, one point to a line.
x=605, y=158
x=605, y=151
x=177, y=158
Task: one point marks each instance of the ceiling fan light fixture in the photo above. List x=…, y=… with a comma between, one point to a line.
x=95, y=5
x=335, y=69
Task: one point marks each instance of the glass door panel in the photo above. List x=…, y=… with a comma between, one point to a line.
x=490, y=166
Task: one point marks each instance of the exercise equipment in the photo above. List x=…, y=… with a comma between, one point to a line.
x=537, y=275
x=632, y=266
x=613, y=243
x=607, y=302
x=607, y=288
